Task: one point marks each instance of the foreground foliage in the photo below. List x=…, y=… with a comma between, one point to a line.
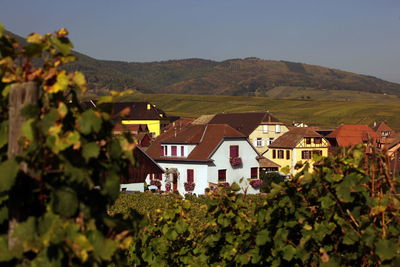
x=55, y=211
x=346, y=213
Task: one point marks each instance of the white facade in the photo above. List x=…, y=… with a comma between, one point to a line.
x=206, y=173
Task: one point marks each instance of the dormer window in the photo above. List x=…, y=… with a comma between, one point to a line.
x=308, y=140
x=277, y=128
x=317, y=140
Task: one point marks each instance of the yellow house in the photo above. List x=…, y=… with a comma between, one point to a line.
x=260, y=127
x=297, y=145
x=142, y=113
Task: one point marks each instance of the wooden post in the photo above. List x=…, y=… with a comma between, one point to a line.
x=20, y=95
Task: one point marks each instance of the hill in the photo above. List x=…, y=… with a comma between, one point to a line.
x=236, y=77
x=324, y=113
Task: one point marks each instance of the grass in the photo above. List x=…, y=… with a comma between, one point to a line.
x=322, y=112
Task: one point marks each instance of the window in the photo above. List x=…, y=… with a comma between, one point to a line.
x=317, y=140
x=190, y=176
x=270, y=140
x=274, y=154
x=277, y=128
x=158, y=176
x=221, y=175
x=265, y=128
x=166, y=151
x=305, y=154
x=182, y=151
x=259, y=142
x=287, y=154
x=280, y=154
x=254, y=172
x=308, y=140
x=173, y=151
x=234, y=151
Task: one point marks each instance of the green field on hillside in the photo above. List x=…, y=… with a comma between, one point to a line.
x=324, y=113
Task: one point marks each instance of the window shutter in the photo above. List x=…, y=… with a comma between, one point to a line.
x=287, y=154
x=221, y=175
x=190, y=176
x=253, y=172
x=173, y=151
x=182, y=151
x=274, y=154
x=162, y=151
x=262, y=142
x=234, y=151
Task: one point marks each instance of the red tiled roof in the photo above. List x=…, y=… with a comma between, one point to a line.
x=245, y=123
x=291, y=138
x=267, y=163
x=131, y=128
x=207, y=137
x=353, y=134
x=178, y=124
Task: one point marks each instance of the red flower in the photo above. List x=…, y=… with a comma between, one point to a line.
x=236, y=161
x=256, y=183
x=189, y=186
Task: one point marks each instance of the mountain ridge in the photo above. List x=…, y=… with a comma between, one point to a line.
x=250, y=76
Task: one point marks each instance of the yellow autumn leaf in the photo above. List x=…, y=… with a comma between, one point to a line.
x=62, y=110
x=55, y=129
x=377, y=209
x=62, y=32
x=35, y=38
x=60, y=84
x=80, y=80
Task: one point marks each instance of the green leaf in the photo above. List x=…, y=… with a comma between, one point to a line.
x=90, y=150
x=3, y=133
x=111, y=185
x=102, y=247
x=288, y=252
x=386, y=249
x=89, y=121
x=9, y=170
x=28, y=129
x=62, y=44
x=65, y=201
x=262, y=237
x=2, y=30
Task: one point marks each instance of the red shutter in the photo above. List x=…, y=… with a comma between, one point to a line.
x=221, y=175
x=274, y=154
x=253, y=172
x=234, y=151
x=162, y=150
x=173, y=151
x=190, y=176
x=182, y=151
x=287, y=154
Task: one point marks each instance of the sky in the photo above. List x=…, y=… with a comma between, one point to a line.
x=361, y=36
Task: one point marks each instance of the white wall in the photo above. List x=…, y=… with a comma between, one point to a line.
x=187, y=149
x=200, y=176
x=138, y=187
x=221, y=161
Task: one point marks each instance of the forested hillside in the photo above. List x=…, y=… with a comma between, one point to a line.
x=249, y=76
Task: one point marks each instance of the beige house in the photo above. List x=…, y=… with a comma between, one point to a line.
x=260, y=127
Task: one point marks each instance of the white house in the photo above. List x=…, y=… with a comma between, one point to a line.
x=205, y=155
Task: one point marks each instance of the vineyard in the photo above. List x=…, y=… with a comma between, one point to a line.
x=60, y=203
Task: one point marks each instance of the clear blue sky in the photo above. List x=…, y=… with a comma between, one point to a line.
x=361, y=36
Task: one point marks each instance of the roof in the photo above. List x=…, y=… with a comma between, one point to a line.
x=203, y=119
x=291, y=138
x=178, y=124
x=267, y=163
x=245, y=123
x=353, y=134
x=130, y=110
x=381, y=127
x=206, y=137
x=131, y=128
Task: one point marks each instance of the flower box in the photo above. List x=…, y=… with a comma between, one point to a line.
x=156, y=183
x=224, y=184
x=236, y=161
x=256, y=183
x=189, y=186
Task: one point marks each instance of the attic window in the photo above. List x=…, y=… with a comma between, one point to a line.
x=317, y=140
x=234, y=151
x=308, y=140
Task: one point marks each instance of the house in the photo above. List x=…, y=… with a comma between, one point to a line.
x=144, y=167
x=139, y=131
x=260, y=127
x=386, y=134
x=136, y=113
x=352, y=134
x=393, y=152
x=202, y=156
x=297, y=145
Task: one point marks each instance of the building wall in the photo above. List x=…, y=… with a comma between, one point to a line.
x=221, y=161
x=153, y=125
x=259, y=133
x=187, y=149
x=296, y=154
x=200, y=175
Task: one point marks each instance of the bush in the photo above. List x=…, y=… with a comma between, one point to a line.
x=268, y=179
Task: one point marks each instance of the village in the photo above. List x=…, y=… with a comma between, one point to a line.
x=193, y=156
